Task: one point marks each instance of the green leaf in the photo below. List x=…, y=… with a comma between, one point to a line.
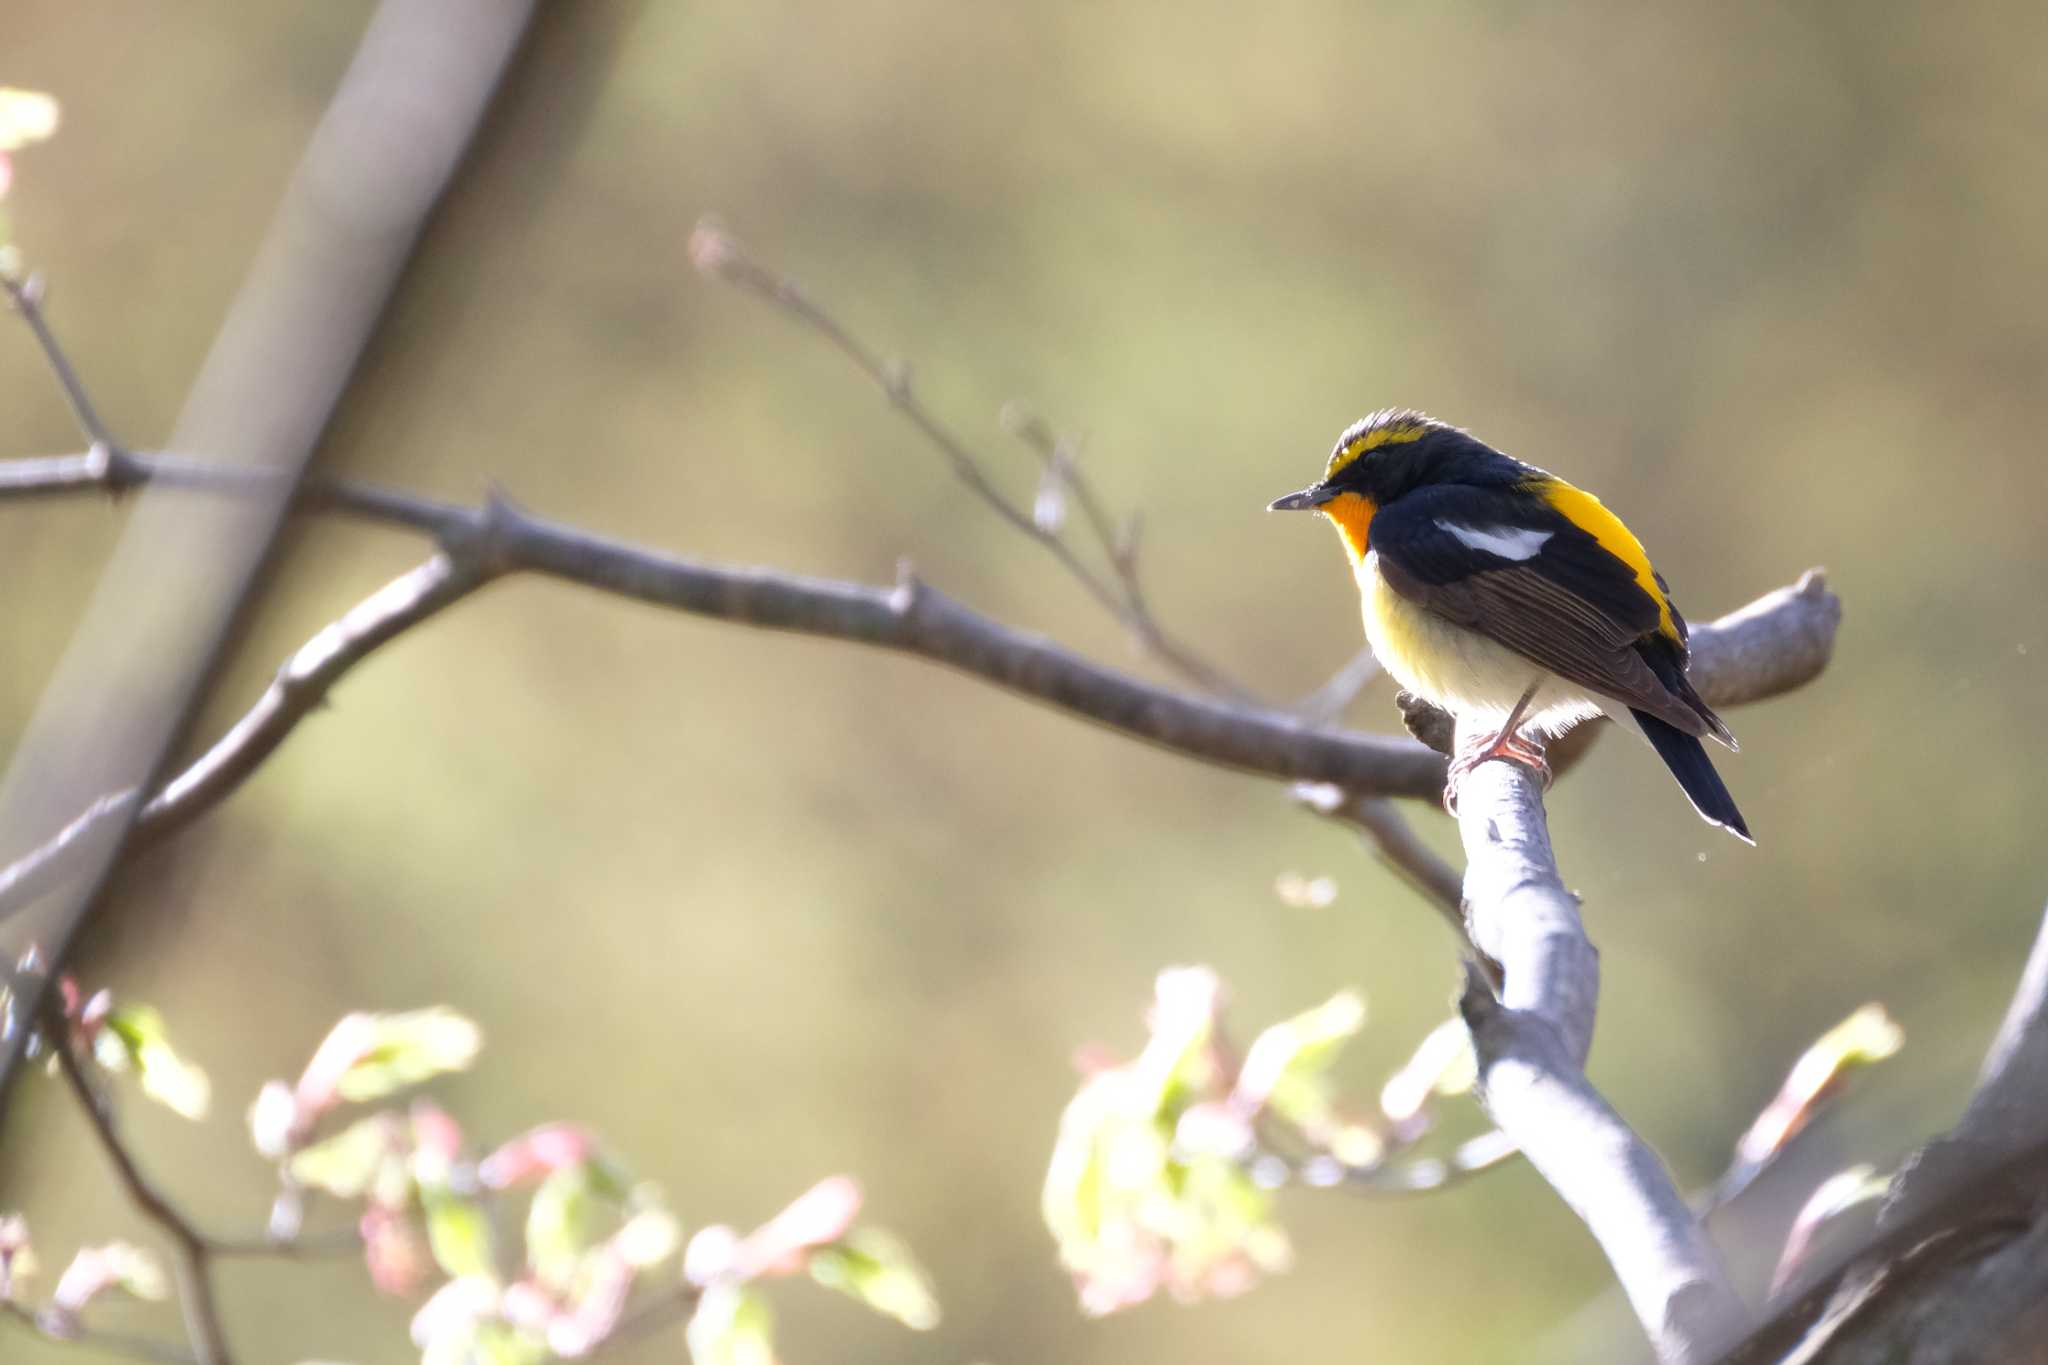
x=25, y=116
x=400, y=1050
x=1285, y=1066
x=498, y=1343
x=649, y=1237
x=139, y=1043
x=1443, y=1065
x=563, y=1222
x=350, y=1163
x=877, y=1269
x=459, y=1233
x=732, y=1326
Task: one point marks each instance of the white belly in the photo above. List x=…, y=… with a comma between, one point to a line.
x=1462, y=672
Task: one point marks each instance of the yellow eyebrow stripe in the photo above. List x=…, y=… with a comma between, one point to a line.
x=1399, y=433
x=1590, y=515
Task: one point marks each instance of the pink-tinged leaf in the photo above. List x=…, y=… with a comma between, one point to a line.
x=370, y=1056
x=1140, y=1193
x=275, y=1123
x=17, y=1257
x=394, y=1252
x=436, y=1142
x=543, y=1151
x=114, y=1266
x=1869, y=1035
x=607, y=1282
x=819, y=1215
x=1836, y=1195
x=713, y=1255
x=454, y=1312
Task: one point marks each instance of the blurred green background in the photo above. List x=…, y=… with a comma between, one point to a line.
x=763, y=908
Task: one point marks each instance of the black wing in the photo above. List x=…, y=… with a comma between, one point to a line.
x=1508, y=566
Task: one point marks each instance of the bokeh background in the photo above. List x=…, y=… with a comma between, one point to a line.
x=764, y=908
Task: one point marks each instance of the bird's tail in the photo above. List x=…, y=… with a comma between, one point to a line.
x=1688, y=761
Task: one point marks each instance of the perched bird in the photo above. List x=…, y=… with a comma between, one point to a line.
x=1511, y=599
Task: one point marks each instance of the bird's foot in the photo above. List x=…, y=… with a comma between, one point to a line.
x=1506, y=745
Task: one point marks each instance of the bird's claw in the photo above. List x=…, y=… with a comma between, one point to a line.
x=1507, y=746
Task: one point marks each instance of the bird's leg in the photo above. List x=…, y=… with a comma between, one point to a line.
x=1506, y=744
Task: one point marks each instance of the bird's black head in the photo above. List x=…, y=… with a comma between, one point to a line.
x=1392, y=451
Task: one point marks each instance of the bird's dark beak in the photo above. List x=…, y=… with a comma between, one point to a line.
x=1307, y=500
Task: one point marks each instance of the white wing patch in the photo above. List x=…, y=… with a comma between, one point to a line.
x=1509, y=542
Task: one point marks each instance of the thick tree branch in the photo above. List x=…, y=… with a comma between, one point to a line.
x=1958, y=1269
x=2007, y=1112
x=911, y=617
x=1532, y=1041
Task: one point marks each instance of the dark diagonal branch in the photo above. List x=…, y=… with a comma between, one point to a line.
x=189, y=1249
x=910, y=617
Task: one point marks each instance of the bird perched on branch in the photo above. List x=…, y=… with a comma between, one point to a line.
x=1513, y=600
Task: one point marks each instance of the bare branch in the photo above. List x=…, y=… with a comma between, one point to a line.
x=1396, y=844
x=302, y=685
x=717, y=253
x=299, y=689
x=189, y=1248
x=1532, y=1042
x=1324, y=705
x=911, y=617
x=28, y=301
x=92, y=1339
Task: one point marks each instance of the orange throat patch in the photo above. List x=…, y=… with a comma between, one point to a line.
x=1351, y=514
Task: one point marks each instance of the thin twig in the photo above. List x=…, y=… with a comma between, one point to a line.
x=1326, y=704
x=298, y=690
x=307, y=1247
x=92, y=1339
x=1418, y=1175
x=190, y=1249
x=717, y=253
x=1397, y=845
x=1120, y=549
x=646, y=1318
x=28, y=301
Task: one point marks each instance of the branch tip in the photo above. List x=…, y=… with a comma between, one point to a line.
x=713, y=251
